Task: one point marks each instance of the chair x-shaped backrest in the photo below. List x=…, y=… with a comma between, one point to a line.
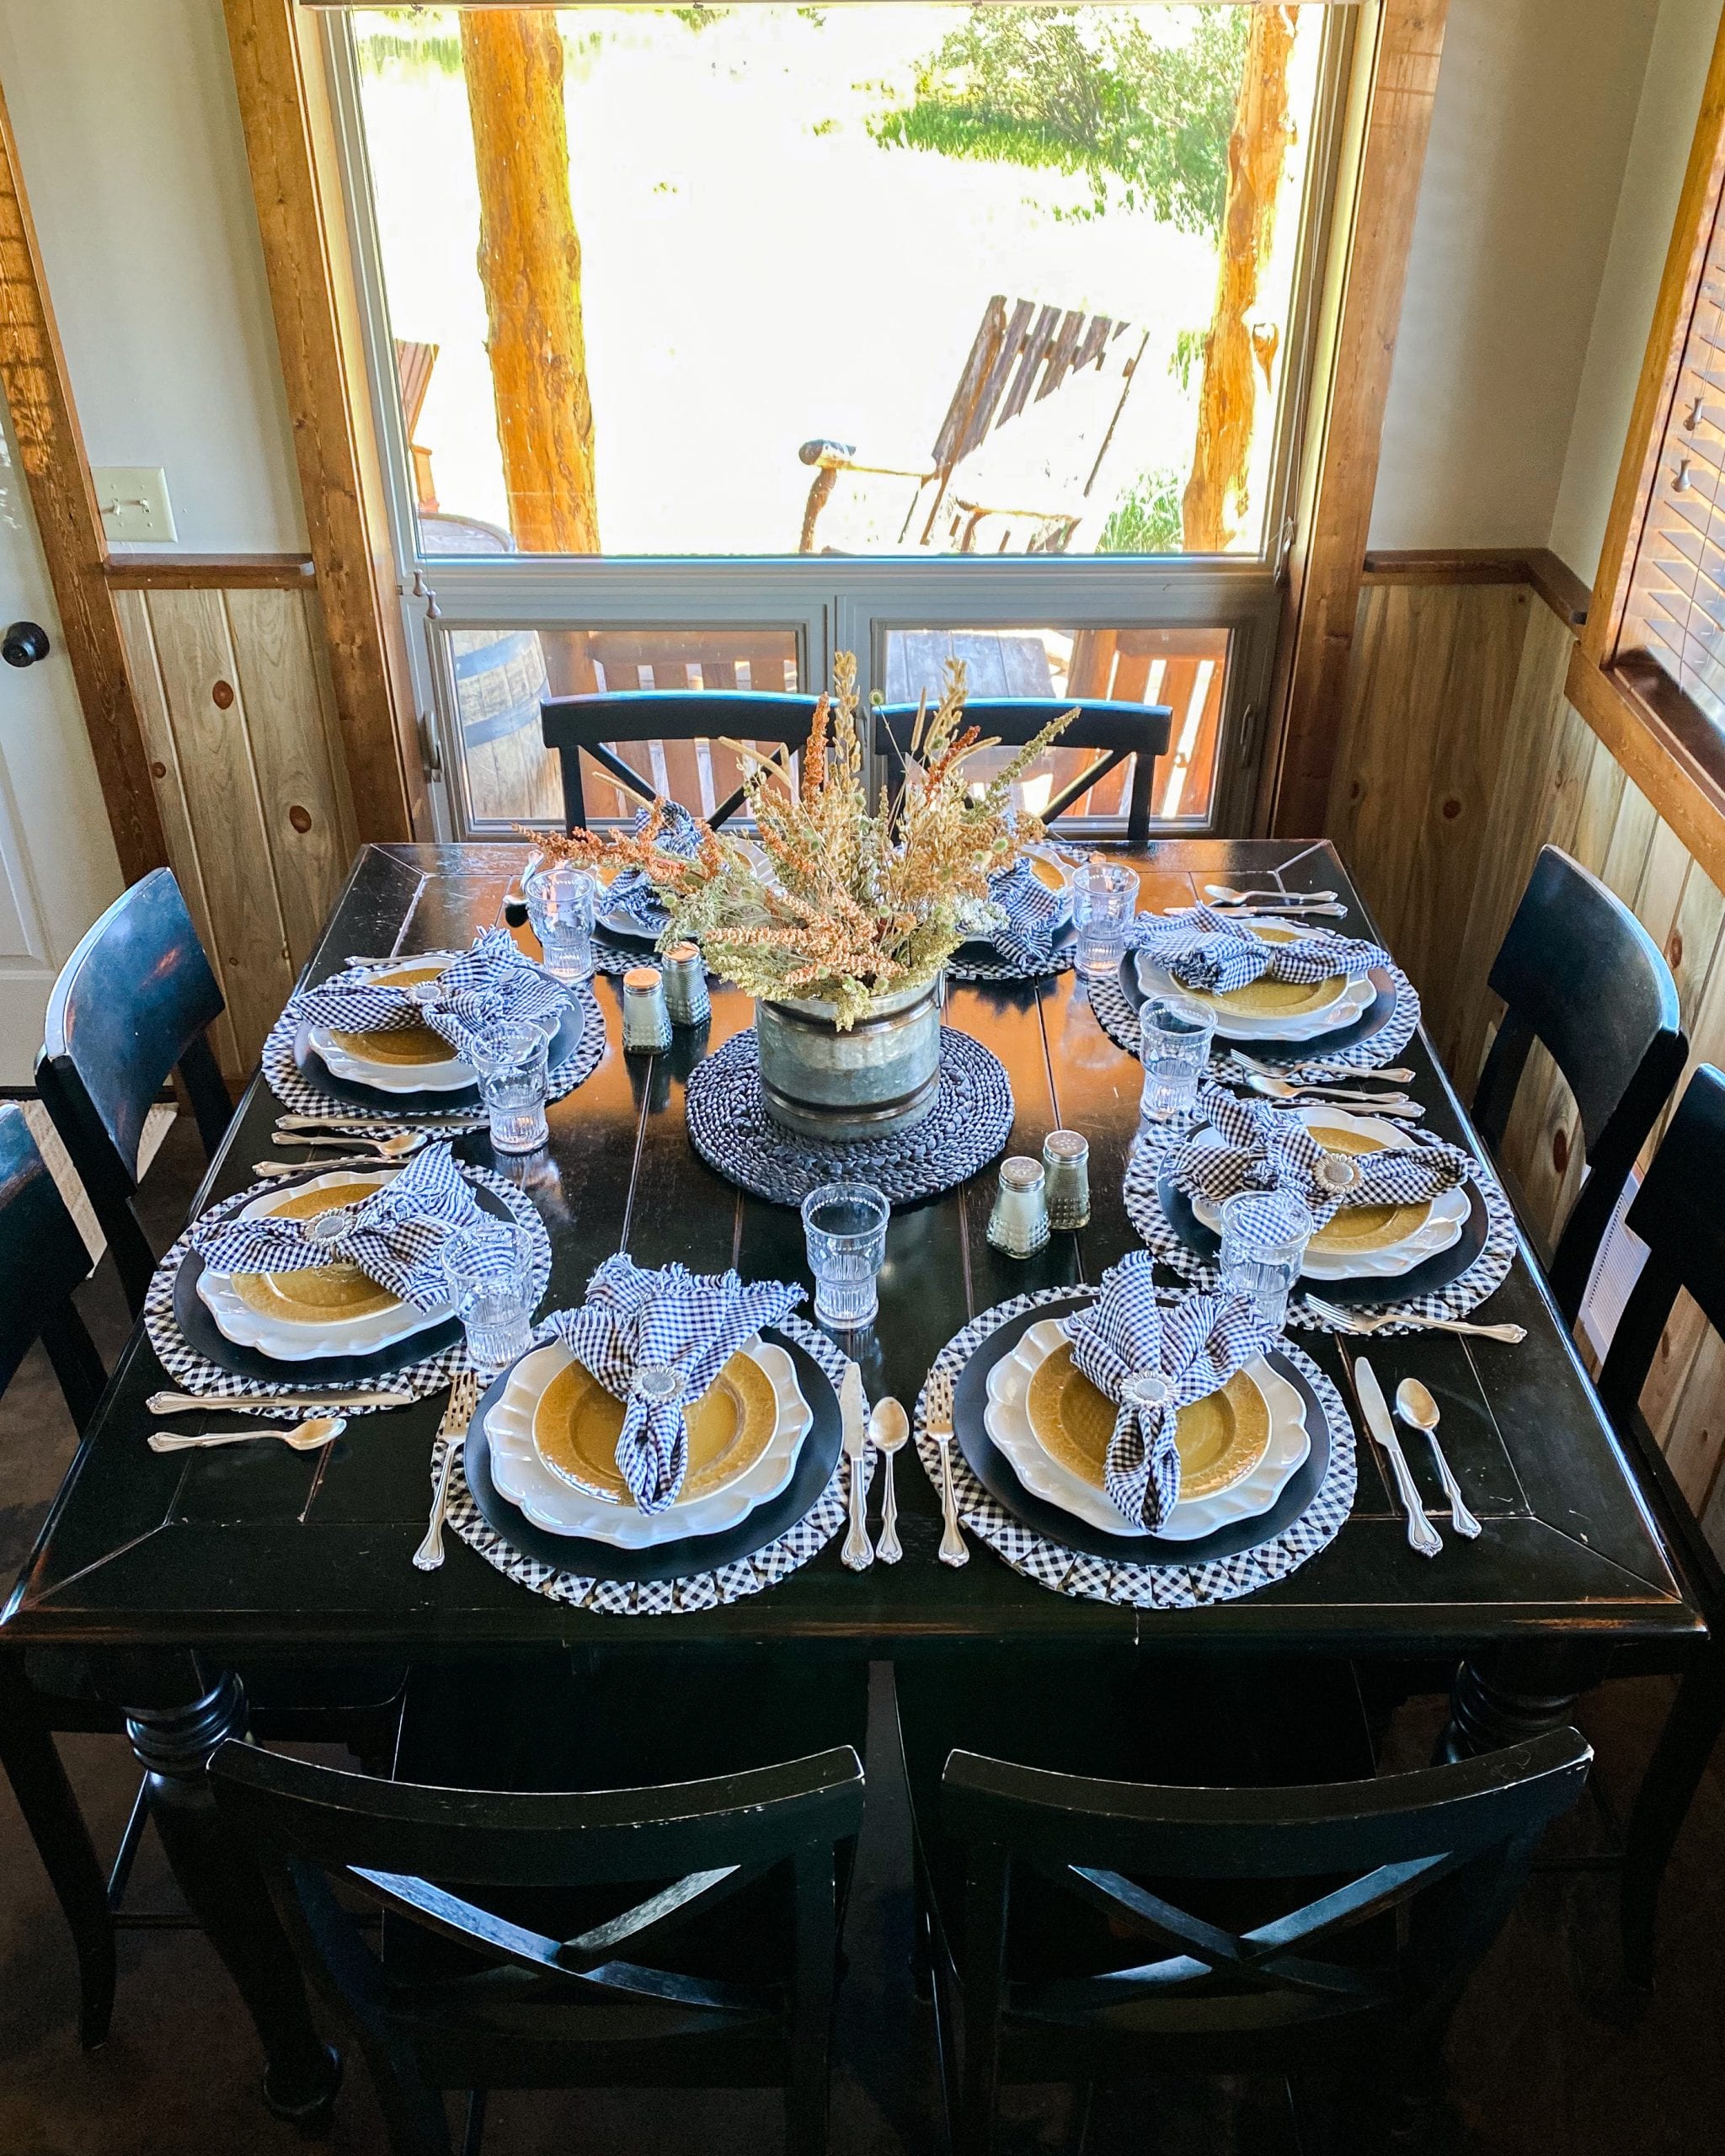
x=591, y=724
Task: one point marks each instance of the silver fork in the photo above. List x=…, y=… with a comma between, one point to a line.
x=463, y=1399
x=1395, y=1105
x=937, y=1420
x=1358, y=1321
x=1394, y=1074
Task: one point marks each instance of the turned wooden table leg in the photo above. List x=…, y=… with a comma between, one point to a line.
x=225, y=1891
x=1512, y=1695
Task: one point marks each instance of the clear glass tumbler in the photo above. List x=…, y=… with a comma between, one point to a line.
x=1264, y=1235
x=510, y=1060
x=1103, y=897
x=560, y=900
x=490, y=1273
x=845, y=1225
x=1174, y=1040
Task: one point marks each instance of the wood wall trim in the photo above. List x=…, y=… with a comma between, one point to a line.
x=1687, y=789
x=51, y=448
x=1547, y=574
x=208, y=572
x=284, y=109
x=1311, y=684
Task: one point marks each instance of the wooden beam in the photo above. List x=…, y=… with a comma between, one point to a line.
x=1309, y=694
x=289, y=136
x=208, y=572
x=1538, y=567
x=51, y=448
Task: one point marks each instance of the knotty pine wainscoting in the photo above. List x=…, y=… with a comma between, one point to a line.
x=230, y=672
x=1459, y=758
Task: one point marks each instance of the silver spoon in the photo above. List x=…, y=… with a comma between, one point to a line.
x=1395, y=1105
x=1393, y=1073
x=889, y=1426
x=303, y=1437
x=1419, y=1410
x=395, y=1147
x=188, y=1403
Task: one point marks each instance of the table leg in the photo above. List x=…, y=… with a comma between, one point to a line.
x=1511, y=1696
x=225, y=1891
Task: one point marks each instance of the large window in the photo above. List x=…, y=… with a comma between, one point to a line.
x=707, y=341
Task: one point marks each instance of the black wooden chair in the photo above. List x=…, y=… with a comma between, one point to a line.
x=1114, y=731
x=1676, y=1213
x=1083, y=1930
x=1579, y=973
x=131, y=1005
x=680, y=1934
x=595, y=723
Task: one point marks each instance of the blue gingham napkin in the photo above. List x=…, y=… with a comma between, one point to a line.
x=1256, y=1145
x=490, y=985
x=1203, y=948
x=632, y=891
x=396, y=1237
x=656, y=1340
x=1033, y=916
x=1151, y=1360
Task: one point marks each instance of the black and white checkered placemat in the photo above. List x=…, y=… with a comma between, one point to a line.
x=1145, y=1164
x=969, y=964
x=189, y=1368
x=1117, y=1016
x=731, y=1583
x=296, y=1093
x=730, y=1130
x=1147, y=1587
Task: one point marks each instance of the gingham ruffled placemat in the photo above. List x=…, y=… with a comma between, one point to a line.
x=187, y=1367
x=298, y=1094
x=1144, y=1169
x=730, y=1130
x=1147, y=1587
x=732, y=1582
x=1117, y=1016
x=960, y=967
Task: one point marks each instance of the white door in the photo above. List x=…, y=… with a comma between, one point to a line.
x=58, y=867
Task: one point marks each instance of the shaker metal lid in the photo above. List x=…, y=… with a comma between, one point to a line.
x=1021, y=1173
x=1065, y=1145
x=680, y=954
x=644, y=980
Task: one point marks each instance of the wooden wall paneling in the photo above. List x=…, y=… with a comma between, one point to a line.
x=1693, y=1434
x=224, y=805
x=132, y=611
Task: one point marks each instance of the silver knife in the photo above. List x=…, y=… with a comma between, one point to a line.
x=1421, y=1534
x=858, y=1552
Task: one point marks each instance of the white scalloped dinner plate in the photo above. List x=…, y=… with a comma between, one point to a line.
x=1006, y=1419
x=287, y=1340
x=1344, y=1007
x=1446, y=1215
x=452, y=1076
x=560, y=1508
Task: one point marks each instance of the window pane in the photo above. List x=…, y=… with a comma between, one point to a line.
x=868, y=279
x=501, y=674
x=1185, y=668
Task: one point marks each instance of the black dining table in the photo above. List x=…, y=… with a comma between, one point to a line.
x=165, y=1572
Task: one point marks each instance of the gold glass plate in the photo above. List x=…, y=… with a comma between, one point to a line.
x=1358, y=1229
x=1220, y=1438
x=1047, y=873
x=409, y=1045
x=577, y=1423
x=321, y=1292
x=1274, y=999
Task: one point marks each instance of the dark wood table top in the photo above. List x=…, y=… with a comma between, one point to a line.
x=260, y=1547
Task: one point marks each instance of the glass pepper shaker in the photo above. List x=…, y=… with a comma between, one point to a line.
x=646, y=1020
x=685, y=995
x=1066, y=1160
x=1019, y=1224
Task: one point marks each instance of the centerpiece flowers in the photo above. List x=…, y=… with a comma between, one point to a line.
x=841, y=916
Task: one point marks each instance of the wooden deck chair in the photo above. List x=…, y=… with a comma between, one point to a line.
x=413, y=363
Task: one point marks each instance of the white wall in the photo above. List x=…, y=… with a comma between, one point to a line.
x=1536, y=107
x=1647, y=209
x=129, y=137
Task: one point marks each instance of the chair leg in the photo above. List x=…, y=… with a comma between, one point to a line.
x=474, y=2134
x=1668, y=1790
x=56, y=1826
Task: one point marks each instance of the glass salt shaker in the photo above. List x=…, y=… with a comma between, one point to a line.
x=685, y=995
x=1019, y=1224
x=646, y=1020
x=1065, y=1161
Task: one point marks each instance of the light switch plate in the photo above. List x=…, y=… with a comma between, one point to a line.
x=133, y=500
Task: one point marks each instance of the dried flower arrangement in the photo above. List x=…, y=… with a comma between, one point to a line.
x=857, y=904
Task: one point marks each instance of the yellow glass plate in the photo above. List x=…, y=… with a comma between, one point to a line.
x=577, y=1423
x=321, y=1292
x=1358, y=1229
x=410, y=1044
x=1220, y=1438
x=1274, y=999
x=1049, y=873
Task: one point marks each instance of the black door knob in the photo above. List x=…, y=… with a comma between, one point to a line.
x=23, y=644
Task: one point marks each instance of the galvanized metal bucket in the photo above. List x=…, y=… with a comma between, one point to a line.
x=879, y=1076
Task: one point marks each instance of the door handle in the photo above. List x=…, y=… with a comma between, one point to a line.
x=23, y=644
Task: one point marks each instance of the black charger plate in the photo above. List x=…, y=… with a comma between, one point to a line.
x=696, y=1553
x=201, y=1331
x=1438, y=1270
x=1376, y=1015
x=317, y=1072
x=994, y=1470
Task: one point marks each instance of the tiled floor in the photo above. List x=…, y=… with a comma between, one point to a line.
x=1548, y=2056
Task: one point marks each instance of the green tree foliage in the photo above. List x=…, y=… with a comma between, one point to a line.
x=1146, y=518
x=1144, y=117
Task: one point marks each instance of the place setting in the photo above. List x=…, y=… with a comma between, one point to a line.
x=1023, y=931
